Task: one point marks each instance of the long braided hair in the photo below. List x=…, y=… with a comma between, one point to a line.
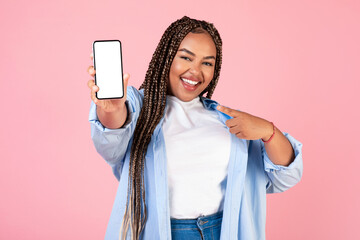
x=155, y=90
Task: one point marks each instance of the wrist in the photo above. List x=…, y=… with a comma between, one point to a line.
x=112, y=119
x=112, y=108
x=270, y=132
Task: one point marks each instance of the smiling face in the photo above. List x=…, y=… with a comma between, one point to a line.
x=193, y=66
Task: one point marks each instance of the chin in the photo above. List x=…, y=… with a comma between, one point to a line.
x=185, y=97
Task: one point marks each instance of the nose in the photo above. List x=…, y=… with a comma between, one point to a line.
x=195, y=69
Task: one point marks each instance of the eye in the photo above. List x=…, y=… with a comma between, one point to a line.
x=186, y=58
x=208, y=64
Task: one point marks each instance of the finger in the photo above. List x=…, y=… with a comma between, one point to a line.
x=232, y=122
x=227, y=111
x=91, y=70
x=91, y=83
x=92, y=56
x=240, y=135
x=234, y=130
x=94, y=89
x=92, y=86
x=126, y=79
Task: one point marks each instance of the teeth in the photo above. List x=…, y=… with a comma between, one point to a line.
x=189, y=81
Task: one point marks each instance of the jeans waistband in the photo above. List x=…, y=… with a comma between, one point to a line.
x=204, y=227
x=215, y=216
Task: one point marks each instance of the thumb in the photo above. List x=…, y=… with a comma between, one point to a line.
x=126, y=79
x=228, y=111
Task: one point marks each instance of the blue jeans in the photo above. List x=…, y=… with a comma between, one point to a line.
x=201, y=228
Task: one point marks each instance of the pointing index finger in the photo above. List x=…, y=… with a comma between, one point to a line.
x=227, y=111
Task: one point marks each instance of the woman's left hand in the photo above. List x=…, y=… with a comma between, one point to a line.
x=247, y=126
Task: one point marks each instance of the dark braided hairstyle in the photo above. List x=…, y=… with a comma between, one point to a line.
x=155, y=90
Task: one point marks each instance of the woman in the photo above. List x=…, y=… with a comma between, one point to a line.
x=181, y=174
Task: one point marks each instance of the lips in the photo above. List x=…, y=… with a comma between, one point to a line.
x=190, y=81
x=190, y=84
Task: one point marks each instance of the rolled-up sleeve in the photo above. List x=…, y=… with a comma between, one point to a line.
x=112, y=144
x=281, y=177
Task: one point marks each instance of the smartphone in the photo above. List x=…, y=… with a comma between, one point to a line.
x=108, y=69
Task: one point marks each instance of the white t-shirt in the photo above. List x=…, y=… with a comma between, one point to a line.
x=198, y=152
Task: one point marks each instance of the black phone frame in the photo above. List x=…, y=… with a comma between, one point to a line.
x=122, y=69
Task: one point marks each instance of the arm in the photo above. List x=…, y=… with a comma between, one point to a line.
x=112, y=113
x=278, y=148
x=112, y=144
x=249, y=127
x=109, y=130
x=112, y=120
x=282, y=154
x=282, y=177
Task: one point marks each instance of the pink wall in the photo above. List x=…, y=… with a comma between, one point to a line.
x=296, y=63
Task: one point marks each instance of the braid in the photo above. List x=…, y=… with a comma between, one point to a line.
x=155, y=90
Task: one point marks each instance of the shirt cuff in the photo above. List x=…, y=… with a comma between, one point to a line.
x=297, y=163
x=93, y=119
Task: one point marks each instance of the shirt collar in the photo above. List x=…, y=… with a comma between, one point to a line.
x=208, y=103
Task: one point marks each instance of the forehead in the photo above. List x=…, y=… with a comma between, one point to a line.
x=199, y=43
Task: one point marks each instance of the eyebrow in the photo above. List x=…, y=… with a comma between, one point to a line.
x=193, y=54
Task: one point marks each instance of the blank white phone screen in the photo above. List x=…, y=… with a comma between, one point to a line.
x=108, y=67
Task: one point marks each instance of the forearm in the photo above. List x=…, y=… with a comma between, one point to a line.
x=112, y=120
x=279, y=149
x=247, y=126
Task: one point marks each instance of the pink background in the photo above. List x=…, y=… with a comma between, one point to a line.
x=295, y=63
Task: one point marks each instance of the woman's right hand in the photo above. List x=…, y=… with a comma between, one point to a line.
x=110, y=105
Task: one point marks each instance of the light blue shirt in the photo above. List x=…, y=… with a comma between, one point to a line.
x=251, y=175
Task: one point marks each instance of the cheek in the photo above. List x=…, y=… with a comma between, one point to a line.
x=172, y=71
x=173, y=77
x=176, y=67
x=209, y=75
